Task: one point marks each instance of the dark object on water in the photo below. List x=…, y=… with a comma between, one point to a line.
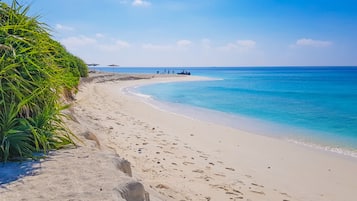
x=92, y=64
x=184, y=73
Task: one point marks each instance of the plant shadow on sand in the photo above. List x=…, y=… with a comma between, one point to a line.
x=12, y=171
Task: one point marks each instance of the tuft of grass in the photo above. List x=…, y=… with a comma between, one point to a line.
x=14, y=137
x=35, y=71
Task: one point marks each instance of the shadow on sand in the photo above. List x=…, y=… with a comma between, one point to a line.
x=12, y=171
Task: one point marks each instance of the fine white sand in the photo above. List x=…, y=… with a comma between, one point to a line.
x=175, y=157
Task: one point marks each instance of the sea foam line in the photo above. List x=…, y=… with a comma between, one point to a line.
x=336, y=150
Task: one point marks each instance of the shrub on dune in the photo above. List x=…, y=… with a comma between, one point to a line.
x=35, y=71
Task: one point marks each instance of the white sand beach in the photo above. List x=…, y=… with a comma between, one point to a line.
x=174, y=157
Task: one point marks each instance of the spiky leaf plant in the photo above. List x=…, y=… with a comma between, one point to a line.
x=14, y=137
x=35, y=71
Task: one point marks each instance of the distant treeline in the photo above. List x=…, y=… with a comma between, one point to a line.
x=36, y=74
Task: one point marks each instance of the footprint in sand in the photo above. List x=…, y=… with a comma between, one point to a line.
x=188, y=163
x=207, y=178
x=168, y=152
x=285, y=194
x=220, y=175
x=231, y=169
x=230, y=191
x=188, y=147
x=161, y=186
x=198, y=171
x=258, y=192
x=140, y=150
x=254, y=184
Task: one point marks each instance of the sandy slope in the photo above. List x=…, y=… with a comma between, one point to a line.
x=178, y=158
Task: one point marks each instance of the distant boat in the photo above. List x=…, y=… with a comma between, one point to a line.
x=184, y=73
x=92, y=64
x=112, y=65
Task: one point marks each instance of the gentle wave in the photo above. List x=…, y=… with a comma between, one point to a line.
x=336, y=150
x=133, y=91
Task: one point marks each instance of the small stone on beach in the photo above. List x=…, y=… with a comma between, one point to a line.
x=162, y=186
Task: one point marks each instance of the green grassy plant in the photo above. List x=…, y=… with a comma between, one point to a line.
x=35, y=71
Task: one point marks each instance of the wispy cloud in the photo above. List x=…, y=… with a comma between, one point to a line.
x=113, y=47
x=180, y=44
x=99, y=41
x=206, y=43
x=77, y=41
x=141, y=3
x=241, y=45
x=122, y=44
x=150, y=46
x=312, y=43
x=61, y=27
x=246, y=43
x=99, y=35
x=183, y=43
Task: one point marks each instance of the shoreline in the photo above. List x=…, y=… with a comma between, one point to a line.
x=247, y=124
x=178, y=158
x=290, y=159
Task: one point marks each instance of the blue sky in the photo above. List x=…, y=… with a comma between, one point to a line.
x=204, y=32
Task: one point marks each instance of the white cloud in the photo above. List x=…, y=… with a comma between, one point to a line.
x=228, y=47
x=206, y=43
x=75, y=42
x=246, y=43
x=241, y=45
x=113, y=47
x=183, y=43
x=180, y=44
x=312, y=43
x=122, y=44
x=97, y=42
x=99, y=35
x=141, y=3
x=61, y=27
x=150, y=46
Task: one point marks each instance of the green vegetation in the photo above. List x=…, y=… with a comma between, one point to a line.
x=35, y=72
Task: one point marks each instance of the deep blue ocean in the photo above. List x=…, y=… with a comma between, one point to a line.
x=314, y=106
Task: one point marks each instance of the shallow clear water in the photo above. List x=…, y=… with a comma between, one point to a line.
x=311, y=104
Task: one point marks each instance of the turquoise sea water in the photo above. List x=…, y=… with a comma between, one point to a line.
x=311, y=105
